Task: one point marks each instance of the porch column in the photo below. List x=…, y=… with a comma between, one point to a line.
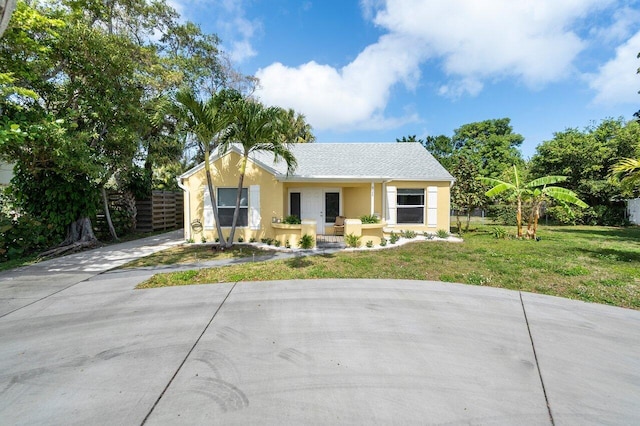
x=372, y=198
x=383, y=213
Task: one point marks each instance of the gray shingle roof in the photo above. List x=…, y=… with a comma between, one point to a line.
x=400, y=161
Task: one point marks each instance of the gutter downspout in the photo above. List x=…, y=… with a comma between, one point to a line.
x=373, y=195
x=187, y=206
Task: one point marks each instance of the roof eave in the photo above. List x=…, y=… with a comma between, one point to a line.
x=331, y=179
x=357, y=179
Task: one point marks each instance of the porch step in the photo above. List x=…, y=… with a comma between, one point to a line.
x=329, y=245
x=330, y=242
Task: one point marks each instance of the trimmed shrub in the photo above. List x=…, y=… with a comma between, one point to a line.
x=352, y=240
x=369, y=218
x=306, y=242
x=442, y=233
x=291, y=220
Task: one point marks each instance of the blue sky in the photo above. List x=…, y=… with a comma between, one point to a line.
x=377, y=70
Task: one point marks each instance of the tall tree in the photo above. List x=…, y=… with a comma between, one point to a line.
x=410, y=138
x=490, y=144
x=443, y=149
x=438, y=146
x=295, y=128
x=259, y=128
x=467, y=191
x=586, y=158
x=86, y=93
x=88, y=73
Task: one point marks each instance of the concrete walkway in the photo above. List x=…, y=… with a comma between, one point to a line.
x=28, y=284
x=308, y=352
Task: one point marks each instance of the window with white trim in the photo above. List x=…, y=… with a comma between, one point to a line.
x=227, y=206
x=410, y=205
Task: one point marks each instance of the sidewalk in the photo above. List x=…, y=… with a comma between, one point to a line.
x=27, y=284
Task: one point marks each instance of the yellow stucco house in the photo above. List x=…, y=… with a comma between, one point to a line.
x=401, y=183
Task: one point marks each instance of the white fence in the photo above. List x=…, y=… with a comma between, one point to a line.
x=633, y=211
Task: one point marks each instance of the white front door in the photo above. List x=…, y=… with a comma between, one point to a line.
x=312, y=207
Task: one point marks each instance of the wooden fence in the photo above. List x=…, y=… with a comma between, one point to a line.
x=164, y=210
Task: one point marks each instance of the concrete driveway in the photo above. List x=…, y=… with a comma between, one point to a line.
x=310, y=352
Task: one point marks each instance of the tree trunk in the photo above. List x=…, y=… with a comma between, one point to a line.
x=535, y=221
x=236, y=213
x=5, y=13
x=80, y=231
x=519, y=217
x=107, y=214
x=79, y=235
x=212, y=197
x=468, y=219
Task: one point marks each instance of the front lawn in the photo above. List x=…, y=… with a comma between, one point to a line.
x=194, y=253
x=596, y=264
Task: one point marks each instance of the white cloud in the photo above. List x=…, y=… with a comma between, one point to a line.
x=457, y=89
x=617, y=81
x=353, y=96
x=528, y=40
x=532, y=41
x=624, y=21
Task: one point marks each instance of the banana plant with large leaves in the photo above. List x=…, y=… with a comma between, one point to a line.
x=535, y=192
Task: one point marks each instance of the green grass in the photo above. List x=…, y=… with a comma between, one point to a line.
x=195, y=253
x=595, y=264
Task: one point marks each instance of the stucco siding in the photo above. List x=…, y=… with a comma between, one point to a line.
x=225, y=173
x=443, y=205
x=274, y=198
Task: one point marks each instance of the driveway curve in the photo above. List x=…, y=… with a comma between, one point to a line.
x=314, y=352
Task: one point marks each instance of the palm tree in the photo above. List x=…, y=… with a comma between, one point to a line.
x=535, y=192
x=258, y=128
x=205, y=121
x=627, y=172
x=298, y=130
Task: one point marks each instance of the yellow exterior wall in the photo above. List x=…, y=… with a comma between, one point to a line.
x=444, y=205
x=225, y=174
x=274, y=200
x=357, y=200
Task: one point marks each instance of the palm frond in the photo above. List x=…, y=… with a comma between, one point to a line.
x=627, y=172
